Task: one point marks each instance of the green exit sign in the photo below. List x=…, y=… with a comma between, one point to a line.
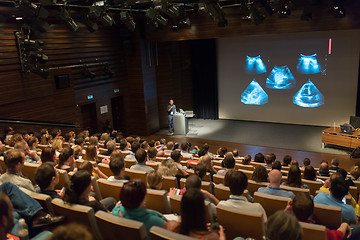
x=116, y=90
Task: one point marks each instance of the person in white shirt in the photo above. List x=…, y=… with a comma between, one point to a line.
x=117, y=167
x=238, y=183
x=141, y=156
x=134, y=147
x=185, y=151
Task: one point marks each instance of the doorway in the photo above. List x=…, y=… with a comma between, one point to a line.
x=118, y=113
x=89, y=117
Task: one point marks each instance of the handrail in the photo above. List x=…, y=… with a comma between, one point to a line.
x=39, y=123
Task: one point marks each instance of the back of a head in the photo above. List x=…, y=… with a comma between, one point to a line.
x=116, y=154
x=229, y=161
x=184, y=146
x=140, y=155
x=72, y=231
x=294, y=177
x=237, y=182
x=168, y=168
x=133, y=194
x=170, y=145
x=342, y=172
x=235, y=153
x=355, y=172
x=153, y=179
x=222, y=151
x=135, y=146
x=335, y=162
x=302, y=206
x=12, y=158
x=176, y=155
x=65, y=154
x=116, y=165
x=259, y=157
x=282, y=225
x=160, y=153
x=200, y=170
x=152, y=152
x=193, y=182
x=93, y=140
x=87, y=166
x=287, y=159
x=246, y=160
x=78, y=184
x=192, y=212
x=324, y=168
x=20, y=146
x=339, y=188
x=294, y=163
x=260, y=174
x=310, y=173
x=111, y=145
x=123, y=145
x=306, y=162
x=79, y=141
x=44, y=174
x=276, y=165
x=275, y=177
x=202, y=152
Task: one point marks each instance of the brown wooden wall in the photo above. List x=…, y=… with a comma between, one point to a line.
x=174, y=79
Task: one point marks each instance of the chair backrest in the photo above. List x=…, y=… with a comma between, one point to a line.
x=353, y=192
x=169, y=182
x=109, y=189
x=114, y=227
x=313, y=185
x=313, y=231
x=77, y=213
x=96, y=188
x=102, y=150
x=217, y=179
x=255, y=164
x=29, y=170
x=134, y=174
x=239, y=166
x=125, y=153
x=204, y=185
x=63, y=179
x=271, y=203
x=105, y=169
x=247, y=173
x=206, y=177
x=160, y=159
x=43, y=199
x=217, y=162
x=295, y=190
x=154, y=165
x=357, y=184
x=158, y=233
x=329, y=216
x=157, y=200
x=254, y=186
x=240, y=223
x=222, y=192
x=129, y=163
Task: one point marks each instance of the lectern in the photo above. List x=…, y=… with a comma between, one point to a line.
x=181, y=122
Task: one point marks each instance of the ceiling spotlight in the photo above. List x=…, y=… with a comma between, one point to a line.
x=91, y=25
x=214, y=10
x=38, y=57
x=70, y=23
x=284, y=10
x=106, y=20
x=127, y=20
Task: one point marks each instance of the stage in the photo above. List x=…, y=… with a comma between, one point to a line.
x=274, y=135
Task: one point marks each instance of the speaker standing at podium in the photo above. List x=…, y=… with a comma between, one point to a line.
x=171, y=111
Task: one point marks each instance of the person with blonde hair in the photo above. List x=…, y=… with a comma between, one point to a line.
x=104, y=137
x=46, y=139
x=168, y=168
x=57, y=144
x=154, y=180
x=77, y=151
x=94, y=141
x=91, y=154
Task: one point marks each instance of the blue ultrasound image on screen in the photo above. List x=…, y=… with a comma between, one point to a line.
x=280, y=78
x=254, y=94
x=308, y=64
x=254, y=65
x=308, y=96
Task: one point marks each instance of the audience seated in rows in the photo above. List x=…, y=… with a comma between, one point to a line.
x=66, y=160
x=294, y=178
x=260, y=174
x=274, y=186
x=117, y=167
x=141, y=159
x=324, y=169
x=228, y=163
x=47, y=177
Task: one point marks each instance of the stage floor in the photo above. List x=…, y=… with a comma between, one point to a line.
x=275, y=135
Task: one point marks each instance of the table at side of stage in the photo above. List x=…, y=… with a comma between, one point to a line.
x=334, y=136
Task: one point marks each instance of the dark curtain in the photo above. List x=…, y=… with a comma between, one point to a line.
x=204, y=76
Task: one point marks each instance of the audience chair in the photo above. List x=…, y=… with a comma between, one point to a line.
x=2, y=164
x=204, y=185
x=133, y=174
x=353, y=192
x=247, y=173
x=79, y=214
x=217, y=163
x=109, y=189
x=271, y=203
x=43, y=199
x=206, y=178
x=29, y=170
x=240, y=223
x=175, y=205
x=129, y=163
x=295, y=190
x=101, y=157
x=217, y=179
x=254, y=186
x=221, y=192
x=96, y=188
x=125, y=153
x=313, y=185
x=102, y=150
x=255, y=164
x=105, y=169
x=157, y=200
x=357, y=184
x=158, y=233
x=313, y=231
x=169, y=182
x=63, y=179
x=183, y=163
x=160, y=159
x=323, y=178
x=241, y=167
x=154, y=165
x=42, y=147
x=114, y=227
x=329, y=216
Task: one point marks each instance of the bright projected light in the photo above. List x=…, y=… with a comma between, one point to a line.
x=280, y=78
x=254, y=65
x=254, y=94
x=308, y=96
x=308, y=64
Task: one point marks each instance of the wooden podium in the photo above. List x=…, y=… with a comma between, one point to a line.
x=334, y=136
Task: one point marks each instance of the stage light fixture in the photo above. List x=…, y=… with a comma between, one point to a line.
x=69, y=22
x=256, y=16
x=214, y=10
x=245, y=11
x=284, y=10
x=95, y=11
x=106, y=20
x=90, y=24
x=38, y=57
x=41, y=25
x=155, y=19
x=166, y=8
x=127, y=20
x=32, y=45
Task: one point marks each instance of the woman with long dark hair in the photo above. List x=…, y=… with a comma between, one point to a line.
x=78, y=193
x=260, y=174
x=66, y=159
x=193, y=217
x=294, y=178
